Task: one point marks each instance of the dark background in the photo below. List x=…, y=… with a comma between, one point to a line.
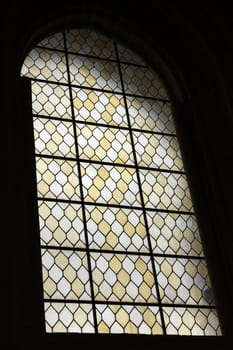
x=191, y=45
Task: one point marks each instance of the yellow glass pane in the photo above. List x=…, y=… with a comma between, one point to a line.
x=57, y=179
x=146, y=114
x=165, y=190
x=193, y=321
x=128, y=319
x=108, y=184
x=104, y=144
x=174, y=234
x=158, y=151
x=53, y=137
x=87, y=42
x=183, y=281
x=92, y=73
x=66, y=271
x=46, y=65
x=51, y=100
x=116, y=229
x=99, y=107
x=61, y=224
x=118, y=277
x=142, y=81
x=68, y=318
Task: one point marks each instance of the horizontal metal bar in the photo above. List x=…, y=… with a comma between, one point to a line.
x=109, y=126
x=121, y=165
x=122, y=252
x=91, y=56
x=120, y=206
x=108, y=302
x=112, y=92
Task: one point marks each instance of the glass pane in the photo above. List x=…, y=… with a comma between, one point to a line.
x=165, y=191
x=51, y=100
x=128, y=319
x=61, y=224
x=174, y=234
x=183, y=281
x=108, y=184
x=104, y=144
x=184, y=321
x=118, y=277
x=54, y=41
x=65, y=274
x=126, y=55
x=99, y=107
x=46, y=65
x=53, y=137
x=116, y=229
x=57, y=179
x=87, y=42
x=157, y=151
x=92, y=73
x=150, y=115
x=142, y=81
x=68, y=318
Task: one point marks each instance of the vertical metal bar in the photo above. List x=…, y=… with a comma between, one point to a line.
x=81, y=190
x=141, y=194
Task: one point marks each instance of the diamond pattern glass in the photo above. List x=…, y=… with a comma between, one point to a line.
x=184, y=321
x=57, y=179
x=146, y=114
x=164, y=190
x=61, y=224
x=104, y=144
x=183, y=281
x=89, y=72
x=51, y=100
x=120, y=246
x=128, y=319
x=65, y=274
x=87, y=42
x=53, y=137
x=68, y=317
x=55, y=41
x=46, y=65
x=157, y=151
x=120, y=277
x=116, y=229
x=142, y=81
x=99, y=107
x=108, y=184
x=174, y=234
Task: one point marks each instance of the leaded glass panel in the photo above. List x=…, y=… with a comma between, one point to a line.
x=120, y=246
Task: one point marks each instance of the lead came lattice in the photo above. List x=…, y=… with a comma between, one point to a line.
x=120, y=247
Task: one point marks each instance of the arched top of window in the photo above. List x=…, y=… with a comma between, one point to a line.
x=120, y=247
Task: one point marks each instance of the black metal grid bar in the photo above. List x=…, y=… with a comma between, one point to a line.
x=141, y=195
x=125, y=252
x=110, y=205
x=133, y=303
x=92, y=56
x=101, y=90
x=98, y=162
x=119, y=127
x=81, y=194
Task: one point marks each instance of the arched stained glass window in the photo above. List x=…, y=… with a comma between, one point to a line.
x=120, y=247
